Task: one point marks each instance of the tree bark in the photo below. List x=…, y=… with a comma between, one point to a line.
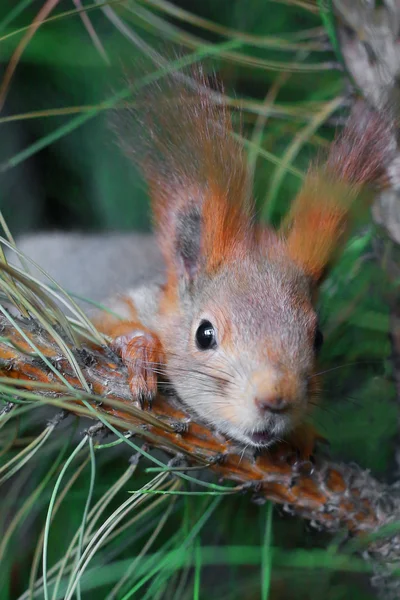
x=332, y=496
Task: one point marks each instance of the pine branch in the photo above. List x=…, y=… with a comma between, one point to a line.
x=332, y=496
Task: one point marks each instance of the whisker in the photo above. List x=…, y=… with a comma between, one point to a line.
x=179, y=371
x=211, y=373
x=325, y=409
x=369, y=362
x=243, y=453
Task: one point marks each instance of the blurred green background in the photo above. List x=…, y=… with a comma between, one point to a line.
x=60, y=168
x=77, y=178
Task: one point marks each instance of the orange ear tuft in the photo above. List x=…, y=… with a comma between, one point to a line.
x=320, y=215
x=228, y=231
x=317, y=221
x=181, y=138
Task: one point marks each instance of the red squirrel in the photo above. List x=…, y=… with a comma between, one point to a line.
x=231, y=325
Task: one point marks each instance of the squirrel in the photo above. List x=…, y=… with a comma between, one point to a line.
x=230, y=324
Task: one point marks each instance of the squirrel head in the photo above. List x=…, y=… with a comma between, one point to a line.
x=241, y=344
x=237, y=319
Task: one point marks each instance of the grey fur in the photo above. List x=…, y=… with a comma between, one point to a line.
x=256, y=297
x=146, y=299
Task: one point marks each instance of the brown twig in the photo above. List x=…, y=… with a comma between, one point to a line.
x=330, y=495
x=43, y=13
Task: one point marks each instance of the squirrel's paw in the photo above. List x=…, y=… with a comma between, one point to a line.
x=303, y=440
x=141, y=352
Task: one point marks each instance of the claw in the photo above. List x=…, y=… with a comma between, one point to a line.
x=150, y=399
x=141, y=390
x=304, y=466
x=141, y=400
x=140, y=349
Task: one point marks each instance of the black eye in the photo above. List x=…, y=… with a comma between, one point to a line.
x=318, y=340
x=205, y=336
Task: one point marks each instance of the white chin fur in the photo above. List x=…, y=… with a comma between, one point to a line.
x=272, y=433
x=264, y=444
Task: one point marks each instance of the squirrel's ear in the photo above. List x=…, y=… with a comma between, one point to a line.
x=322, y=212
x=201, y=228
x=187, y=240
x=178, y=225
x=317, y=222
x=179, y=132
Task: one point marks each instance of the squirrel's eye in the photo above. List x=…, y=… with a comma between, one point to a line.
x=205, y=336
x=318, y=340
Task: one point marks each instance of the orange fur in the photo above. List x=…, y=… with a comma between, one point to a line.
x=184, y=145
x=321, y=213
x=140, y=355
x=169, y=302
x=203, y=217
x=317, y=221
x=303, y=440
x=228, y=233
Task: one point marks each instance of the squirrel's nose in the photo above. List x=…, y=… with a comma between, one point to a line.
x=272, y=403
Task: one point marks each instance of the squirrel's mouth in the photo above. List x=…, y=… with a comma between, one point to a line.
x=270, y=434
x=262, y=438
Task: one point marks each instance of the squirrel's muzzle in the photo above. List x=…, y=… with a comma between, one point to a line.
x=272, y=403
x=274, y=391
